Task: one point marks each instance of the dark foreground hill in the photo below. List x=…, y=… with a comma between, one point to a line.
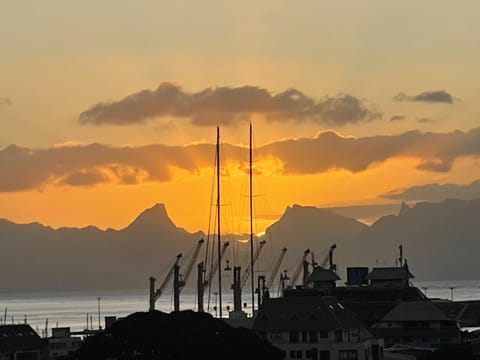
x=178, y=335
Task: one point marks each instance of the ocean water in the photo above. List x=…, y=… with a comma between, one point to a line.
x=71, y=308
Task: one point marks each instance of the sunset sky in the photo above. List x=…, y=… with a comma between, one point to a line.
x=109, y=107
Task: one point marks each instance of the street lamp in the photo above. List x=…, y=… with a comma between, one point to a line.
x=99, y=325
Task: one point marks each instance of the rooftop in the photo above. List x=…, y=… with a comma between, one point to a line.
x=19, y=337
x=389, y=273
x=320, y=274
x=304, y=313
x=415, y=311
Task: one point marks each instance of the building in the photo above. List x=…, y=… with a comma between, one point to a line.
x=392, y=277
x=321, y=278
x=61, y=343
x=21, y=342
x=308, y=326
x=417, y=323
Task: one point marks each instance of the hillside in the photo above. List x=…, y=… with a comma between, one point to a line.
x=35, y=257
x=441, y=240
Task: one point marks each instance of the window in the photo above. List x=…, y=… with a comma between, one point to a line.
x=293, y=337
x=313, y=337
x=308, y=354
x=304, y=336
x=323, y=334
x=347, y=355
x=293, y=354
x=324, y=355
x=339, y=335
x=299, y=354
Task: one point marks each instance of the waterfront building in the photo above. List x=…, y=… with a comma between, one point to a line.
x=418, y=323
x=307, y=326
x=62, y=343
x=21, y=342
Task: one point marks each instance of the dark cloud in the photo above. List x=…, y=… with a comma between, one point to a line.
x=228, y=106
x=87, y=165
x=397, y=118
x=437, y=192
x=438, y=96
x=5, y=101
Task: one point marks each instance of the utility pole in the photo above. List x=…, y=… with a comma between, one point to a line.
x=99, y=324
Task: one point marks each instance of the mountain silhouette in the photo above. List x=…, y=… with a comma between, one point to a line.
x=37, y=257
x=440, y=242
x=316, y=229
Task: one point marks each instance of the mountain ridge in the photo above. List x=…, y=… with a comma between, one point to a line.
x=433, y=235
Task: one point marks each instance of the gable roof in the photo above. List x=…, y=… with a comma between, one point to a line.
x=299, y=313
x=389, y=273
x=320, y=274
x=19, y=337
x=415, y=311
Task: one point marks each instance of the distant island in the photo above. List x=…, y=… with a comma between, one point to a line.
x=440, y=242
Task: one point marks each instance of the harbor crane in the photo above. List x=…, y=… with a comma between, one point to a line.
x=275, y=269
x=329, y=259
x=263, y=289
x=255, y=258
x=155, y=294
x=300, y=265
x=179, y=281
x=185, y=276
x=202, y=281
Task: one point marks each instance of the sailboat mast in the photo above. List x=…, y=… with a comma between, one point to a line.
x=251, y=225
x=218, y=226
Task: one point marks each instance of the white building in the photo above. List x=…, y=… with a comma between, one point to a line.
x=315, y=327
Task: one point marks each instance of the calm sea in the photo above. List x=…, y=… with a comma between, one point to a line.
x=72, y=308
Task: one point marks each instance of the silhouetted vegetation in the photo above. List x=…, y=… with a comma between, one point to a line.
x=180, y=335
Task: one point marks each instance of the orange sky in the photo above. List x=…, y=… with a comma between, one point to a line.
x=162, y=74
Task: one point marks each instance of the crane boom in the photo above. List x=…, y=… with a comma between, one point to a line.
x=329, y=257
x=159, y=291
x=296, y=274
x=192, y=261
x=255, y=258
x=215, y=264
x=275, y=269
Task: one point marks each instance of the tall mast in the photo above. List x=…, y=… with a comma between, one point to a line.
x=218, y=226
x=251, y=225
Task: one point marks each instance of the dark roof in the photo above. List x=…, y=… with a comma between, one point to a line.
x=14, y=337
x=304, y=313
x=389, y=273
x=415, y=311
x=320, y=274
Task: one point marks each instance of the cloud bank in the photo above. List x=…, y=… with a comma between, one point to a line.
x=87, y=165
x=437, y=192
x=438, y=96
x=228, y=106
